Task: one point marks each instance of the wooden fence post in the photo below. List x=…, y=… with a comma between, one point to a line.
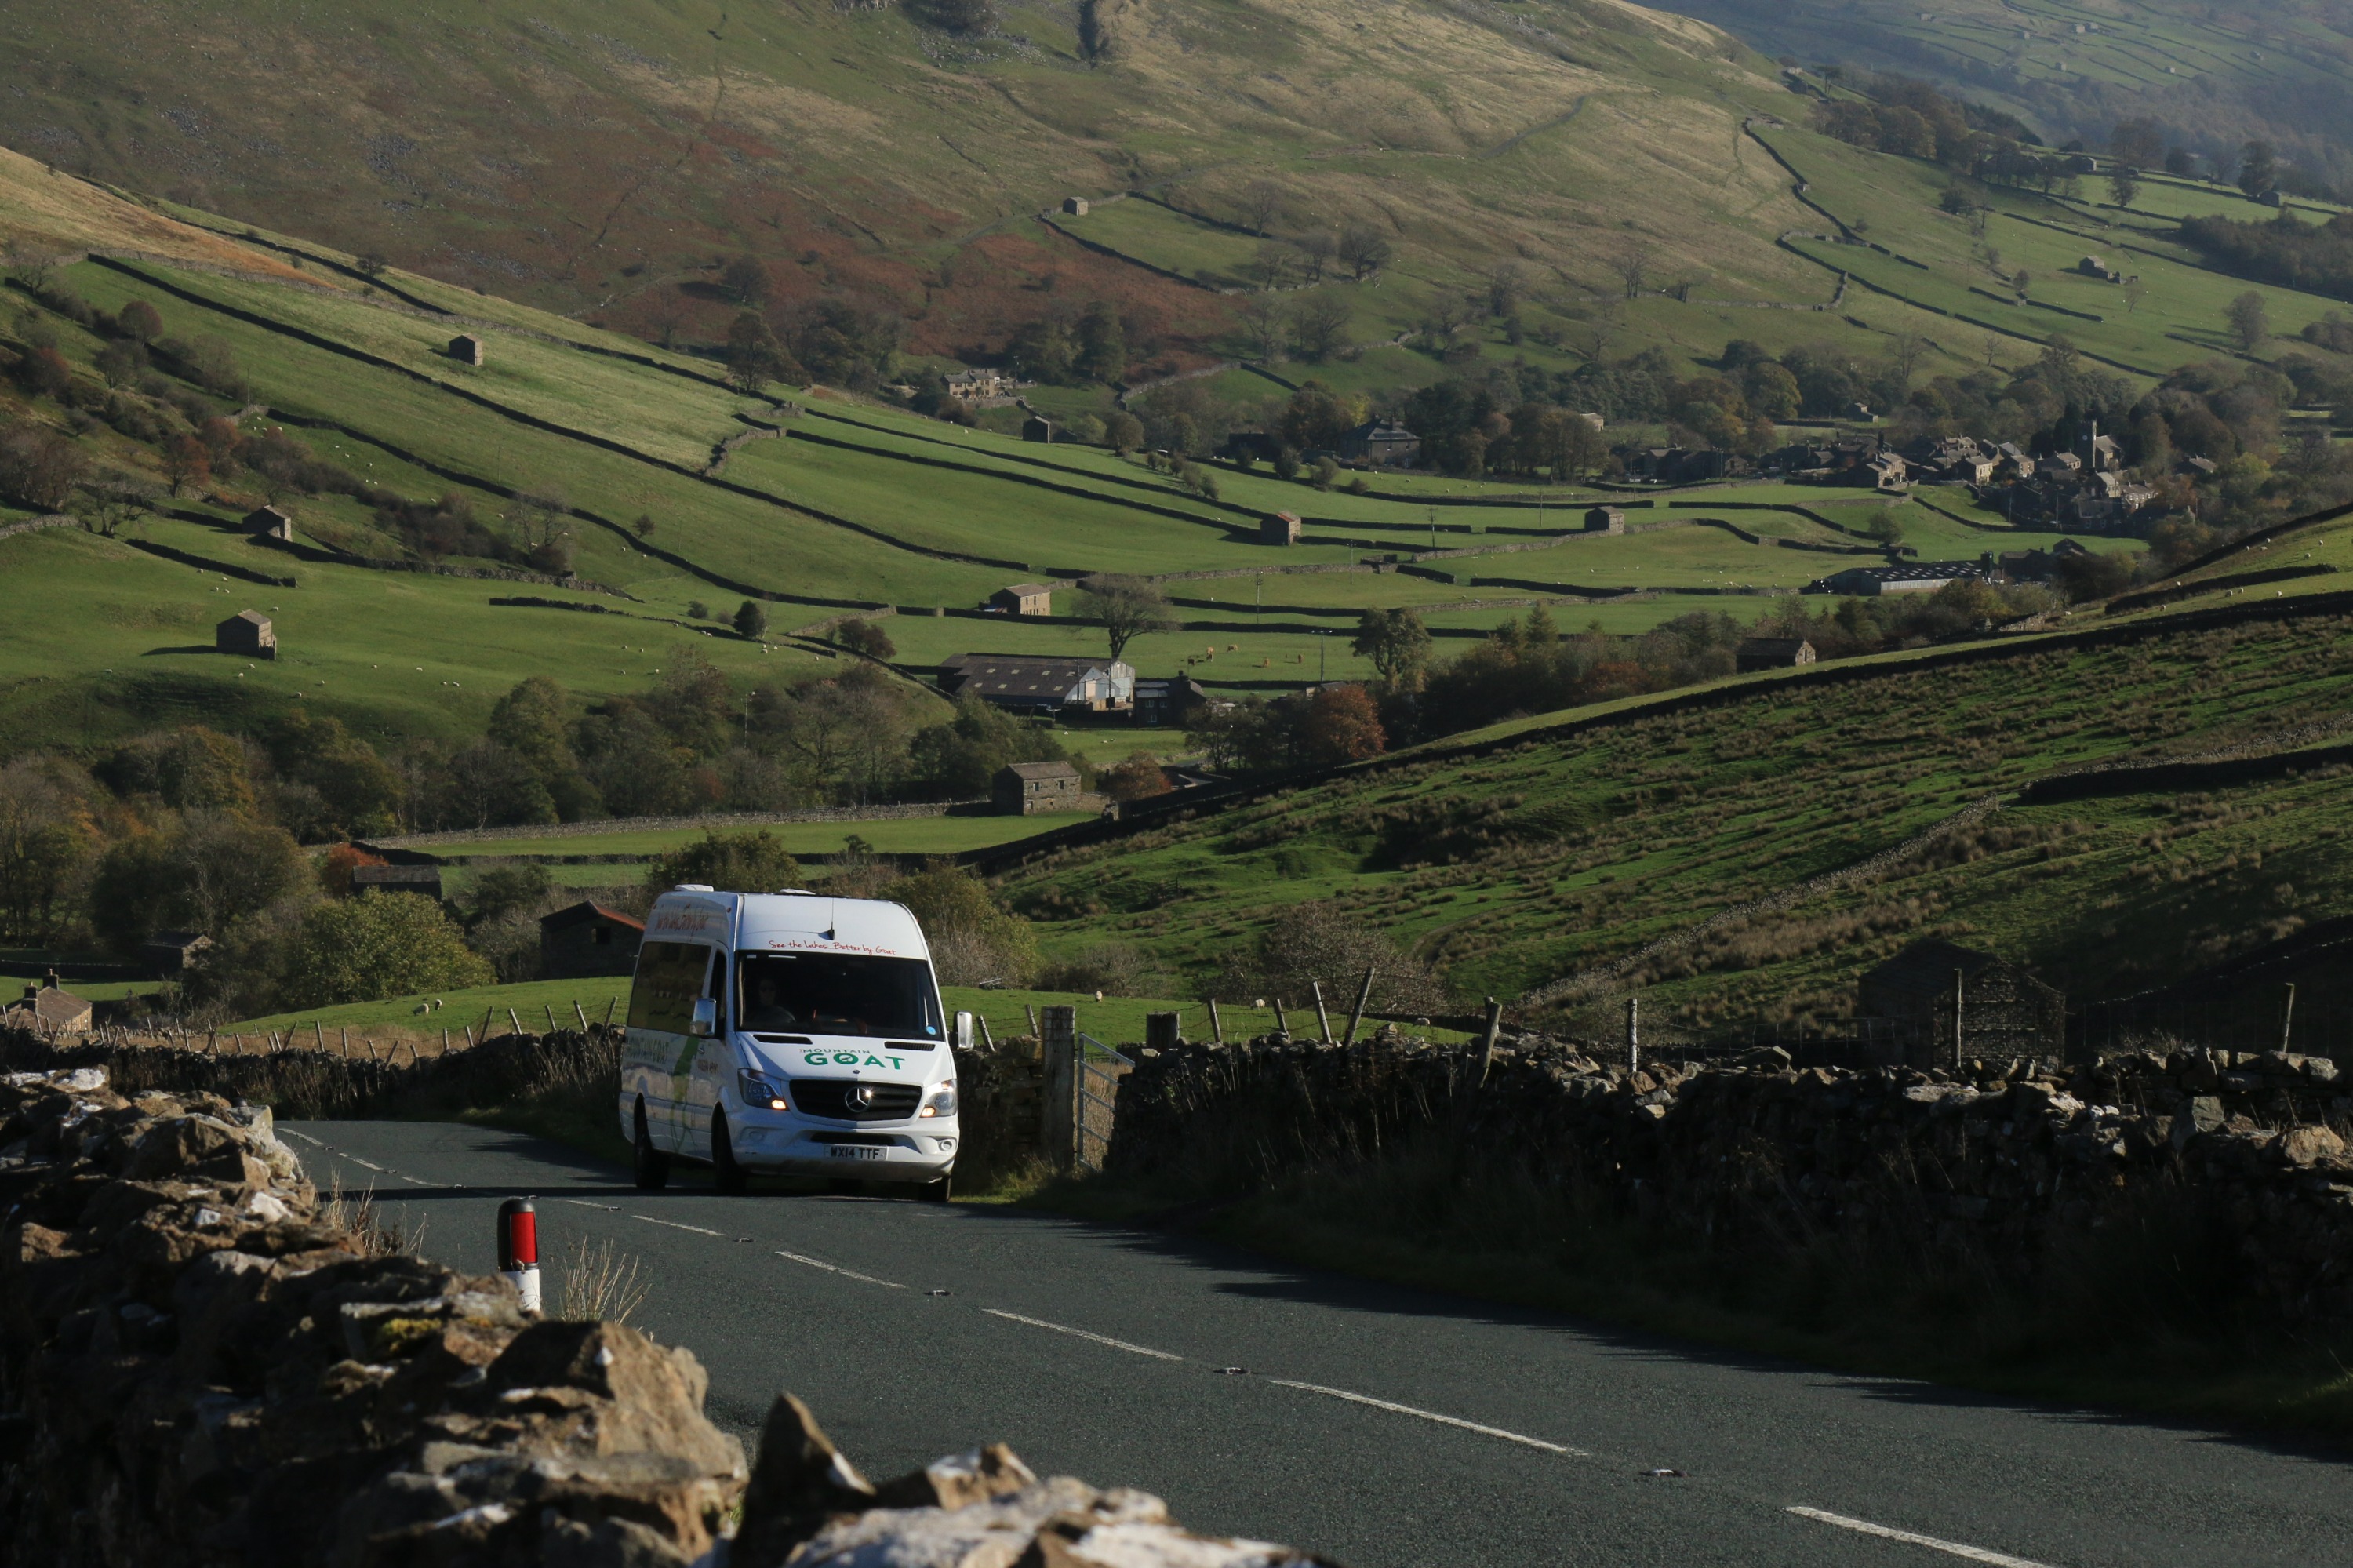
x=1322, y=1019
x=583, y=1016
x=1282, y=1024
x=1058, y=1098
x=1357, y=1014
x=1216, y=1024
x=513, y=1019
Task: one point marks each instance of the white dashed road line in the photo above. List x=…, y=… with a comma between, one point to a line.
x=1433, y=1415
x=600, y=1208
x=418, y=1181
x=368, y=1164
x=675, y=1225
x=305, y=1136
x=1082, y=1334
x=1953, y=1548
x=845, y=1273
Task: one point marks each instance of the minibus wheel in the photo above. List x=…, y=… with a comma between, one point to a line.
x=934, y=1191
x=726, y=1174
x=652, y=1166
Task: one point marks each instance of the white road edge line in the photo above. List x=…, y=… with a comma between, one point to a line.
x=305, y=1136
x=845, y=1273
x=1973, y=1553
x=1566, y=1453
x=368, y=1163
x=418, y=1181
x=585, y=1203
x=673, y=1225
x=1082, y=1334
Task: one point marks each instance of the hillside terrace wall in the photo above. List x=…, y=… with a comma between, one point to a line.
x=204, y=1364
x=2008, y=1157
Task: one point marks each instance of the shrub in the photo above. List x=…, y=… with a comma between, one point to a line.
x=375, y=946
x=733, y=863
x=972, y=939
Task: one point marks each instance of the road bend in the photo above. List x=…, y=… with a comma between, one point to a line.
x=1384, y=1426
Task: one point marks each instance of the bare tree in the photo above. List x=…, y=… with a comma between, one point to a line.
x=1632, y=262
x=1905, y=353
x=1263, y=203
x=1364, y=251
x=1266, y=324
x=1315, y=248
x=1596, y=330
x=1320, y=325
x=1271, y=268
x=1125, y=608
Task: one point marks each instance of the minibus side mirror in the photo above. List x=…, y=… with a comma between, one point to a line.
x=705, y=1022
x=964, y=1031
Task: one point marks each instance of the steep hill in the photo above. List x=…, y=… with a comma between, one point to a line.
x=1738, y=854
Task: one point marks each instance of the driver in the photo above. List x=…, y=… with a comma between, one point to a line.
x=766, y=1005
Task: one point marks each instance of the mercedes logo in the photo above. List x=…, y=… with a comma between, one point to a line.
x=863, y=1096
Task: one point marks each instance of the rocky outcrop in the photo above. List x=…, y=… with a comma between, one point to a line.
x=2006, y=1158
x=201, y=1363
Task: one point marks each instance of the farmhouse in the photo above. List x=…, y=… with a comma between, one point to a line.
x=1170, y=703
x=423, y=879
x=588, y=939
x=49, y=1011
x=2004, y=1010
x=1606, y=520
x=1279, y=528
x=269, y=522
x=1772, y=653
x=1885, y=471
x=168, y=953
x=1037, y=428
x=247, y=633
x=983, y=388
x=1024, y=598
x=466, y=348
x=1382, y=442
x=1033, y=789
x=1035, y=683
x=1918, y=577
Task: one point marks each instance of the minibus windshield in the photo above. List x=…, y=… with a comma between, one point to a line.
x=836, y=994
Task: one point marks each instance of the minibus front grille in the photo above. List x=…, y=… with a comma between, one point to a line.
x=847, y=1099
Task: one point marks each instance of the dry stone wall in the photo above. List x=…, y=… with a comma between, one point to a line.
x=2007, y=1157
x=202, y=1364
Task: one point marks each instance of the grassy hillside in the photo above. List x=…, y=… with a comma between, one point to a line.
x=1588, y=849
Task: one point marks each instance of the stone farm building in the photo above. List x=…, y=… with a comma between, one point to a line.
x=587, y=940
x=46, y=1010
x=269, y=522
x=1036, y=684
x=248, y=632
x=423, y=879
x=1772, y=653
x=1033, y=789
x=1606, y=520
x=1170, y=703
x=1024, y=598
x=2005, y=1011
x=1037, y=428
x=466, y=348
x=168, y=953
x=1279, y=528
x=1382, y=442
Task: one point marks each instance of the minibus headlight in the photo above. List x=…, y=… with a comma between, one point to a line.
x=759, y=1093
x=941, y=1101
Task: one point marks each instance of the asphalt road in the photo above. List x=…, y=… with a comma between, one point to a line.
x=1381, y=1427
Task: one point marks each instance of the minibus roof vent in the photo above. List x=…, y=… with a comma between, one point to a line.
x=804, y=892
x=694, y=887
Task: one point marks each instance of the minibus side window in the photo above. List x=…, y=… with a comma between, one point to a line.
x=670, y=976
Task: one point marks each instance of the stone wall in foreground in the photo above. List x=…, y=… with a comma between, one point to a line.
x=2007, y=1157
x=201, y=1363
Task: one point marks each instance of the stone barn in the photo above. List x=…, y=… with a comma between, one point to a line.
x=588, y=939
x=1024, y=598
x=169, y=953
x=247, y=633
x=1606, y=520
x=269, y=522
x=1031, y=789
x=1076, y=207
x=1037, y=428
x=423, y=879
x=1772, y=653
x=1279, y=528
x=2004, y=1010
x=466, y=348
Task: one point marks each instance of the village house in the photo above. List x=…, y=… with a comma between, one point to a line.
x=47, y=1010
x=1885, y=471
x=1605, y=520
x=1023, y=599
x=269, y=522
x=1772, y=653
x=248, y=633
x=2003, y=1009
x=984, y=388
x=423, y=879
x=1380, y=443
x=1279, y=528
x=1683, y=465
x=1169, y=702
x=1034, y=788
x=586, y=939
x=466, y=348
x=1032, y=683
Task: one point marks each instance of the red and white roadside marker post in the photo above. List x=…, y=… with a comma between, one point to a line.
x=519, y=1249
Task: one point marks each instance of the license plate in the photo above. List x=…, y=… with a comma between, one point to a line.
x=855, y=1151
